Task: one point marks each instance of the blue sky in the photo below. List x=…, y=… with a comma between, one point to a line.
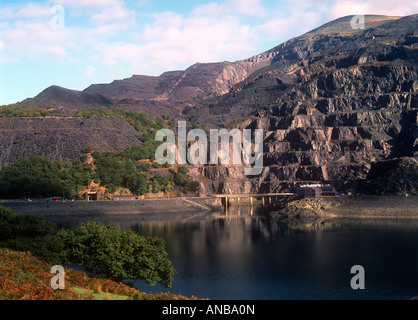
x=74, y=43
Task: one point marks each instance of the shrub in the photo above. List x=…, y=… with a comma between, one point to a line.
x=29, y=232
x=182, y=170
x=118, y=254
x=35, y=176
x=192, y=186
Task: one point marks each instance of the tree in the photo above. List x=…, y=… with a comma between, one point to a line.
x=138, y=183
x=34, y=176
x=29, y=232
x=192, y=186
x=113, y=168
x=118, y=254
x=183, y=170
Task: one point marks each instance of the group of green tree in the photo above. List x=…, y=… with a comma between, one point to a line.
x=105, y=250
x=24, y=111
x=38, y=177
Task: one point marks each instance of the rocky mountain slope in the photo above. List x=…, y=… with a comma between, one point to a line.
x=62, y=139
x=330, y=103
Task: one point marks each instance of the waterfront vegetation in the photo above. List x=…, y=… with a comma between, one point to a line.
x=118, y=254
x=37, y=177
x=30, y=246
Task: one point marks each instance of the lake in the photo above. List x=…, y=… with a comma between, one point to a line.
x=247, y=256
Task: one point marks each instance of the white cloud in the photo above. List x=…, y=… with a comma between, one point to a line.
x=380, y=7
x=109, y=34
x=99, y=11
x=114, y=53
x=33, y=39
x=92, y=4
x=250, y=8
x=89, y=72
x=27, y=30
x=176, y=39
x=28, y=11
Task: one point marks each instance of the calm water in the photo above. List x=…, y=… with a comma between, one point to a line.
x=244, y=256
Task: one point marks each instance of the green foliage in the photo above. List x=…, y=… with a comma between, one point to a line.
x=138, y=120
x=235, y=124
x=20, y=111
x=35, y=176
x=144, y=167
x=162, y=183
x=144, y=151
x=180, y=179
x=29, y=232
x=192, y=186
x=182, y=170
x=138, y=183
x=112, y=168
x=39, y=177
x=118, y=254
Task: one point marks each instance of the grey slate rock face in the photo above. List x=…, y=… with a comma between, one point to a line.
x=62, y=139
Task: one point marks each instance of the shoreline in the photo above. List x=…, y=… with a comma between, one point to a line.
x=365, y=207
x=100, y=208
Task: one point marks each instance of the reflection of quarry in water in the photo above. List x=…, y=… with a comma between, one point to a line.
x=238, y=227
x=247, y=254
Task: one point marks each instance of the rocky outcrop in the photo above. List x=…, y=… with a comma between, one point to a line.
x=393, y=177
x=330, y=104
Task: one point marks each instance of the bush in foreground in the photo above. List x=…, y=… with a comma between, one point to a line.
x=25, y=277
x=118, y=254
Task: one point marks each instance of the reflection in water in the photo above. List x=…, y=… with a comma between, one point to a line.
x=246, y=255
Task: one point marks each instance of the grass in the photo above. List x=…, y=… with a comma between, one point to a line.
x=100, y=295
x=25, y=277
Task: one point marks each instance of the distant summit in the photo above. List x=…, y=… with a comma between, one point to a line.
x=73, y=100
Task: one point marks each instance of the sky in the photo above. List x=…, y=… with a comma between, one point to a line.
x=75, y=43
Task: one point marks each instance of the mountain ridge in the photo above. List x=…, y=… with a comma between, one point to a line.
x=194, y=84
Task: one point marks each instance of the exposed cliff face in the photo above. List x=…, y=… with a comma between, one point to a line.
x=393, y=177
x=330, y=102
x=330, y=105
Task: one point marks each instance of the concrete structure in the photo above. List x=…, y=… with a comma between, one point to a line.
x=266, y=198
x=91, y=196
x=124, y=198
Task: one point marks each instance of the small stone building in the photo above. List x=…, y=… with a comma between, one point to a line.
x=316, y=191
